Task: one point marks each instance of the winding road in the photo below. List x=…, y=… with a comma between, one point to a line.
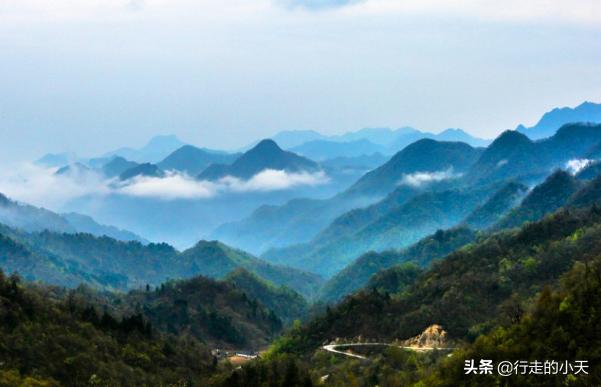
x=333, y=348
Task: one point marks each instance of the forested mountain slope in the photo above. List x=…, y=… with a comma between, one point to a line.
x=70, y=259
x=464, y=291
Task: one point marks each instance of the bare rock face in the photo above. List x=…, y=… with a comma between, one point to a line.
x=432, y=337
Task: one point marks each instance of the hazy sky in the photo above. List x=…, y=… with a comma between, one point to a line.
x=89, y=76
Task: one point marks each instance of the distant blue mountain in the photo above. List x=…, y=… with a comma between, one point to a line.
x=363, y=162
x=33, y=219
x=380, y=136
x=320, y=150
x=56, y=159
x=556, y=118
x=193, y=160
x=156, y=150
x=408, y=138
x=84, y=223
x=453, y=134
x=116, y=166
x=366, y=141
x=265, y=155
x=290, y=138
x=514, y=155
x=145, y=169
x=72, y=169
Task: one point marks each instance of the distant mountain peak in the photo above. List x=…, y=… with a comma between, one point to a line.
x=266, y=145
x=163, y=139
x=510, y=138
x=157, y=148
x=554, y=119
x=56, y=159
x=265, y=155
x=453, y=130
x=144, y=169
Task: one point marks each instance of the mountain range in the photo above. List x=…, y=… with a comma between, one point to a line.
x=49, y=248
x=469, y=292
x=156, y=150
x=556, y=118
x=489, y=252
x=510, y=156
x=192, y=160
x=33, y=219
x=418, y=165
x=265, y=155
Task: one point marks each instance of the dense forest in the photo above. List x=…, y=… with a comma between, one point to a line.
x=499, y=259
x=50, y=342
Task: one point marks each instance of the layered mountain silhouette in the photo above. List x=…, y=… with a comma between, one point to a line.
x=513, y=154
x=545, y=198
x=193, y=160
x=56, y=159
x=401, y=226
x=320, y=150
x=291, y=138
x=156, y=150
x=468, y=288
x=86, y=224
x=489, y=213
x=68, y=259
x=420, y=157
x=116, y=166
x=145, y=169
x=301, y=219
x=265, y=155
x=556, y=118
x=357, y=274
x=29, y=218
x=72, y=169
x=363, y=162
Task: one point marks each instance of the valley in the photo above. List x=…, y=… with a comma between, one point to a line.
x=394, y=273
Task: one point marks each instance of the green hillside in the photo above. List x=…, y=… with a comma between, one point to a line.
x=489, y=213
x=464, y=291
x=397, y=228
x=54, y=341
x=358, y=273
x=70, y=259
x=284, y=302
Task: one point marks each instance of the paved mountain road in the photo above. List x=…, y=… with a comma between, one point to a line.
x=333, y=348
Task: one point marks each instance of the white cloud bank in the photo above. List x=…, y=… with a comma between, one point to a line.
x=418, y=179
x=172, y=186
x=180, y=186
x=42, y=187
x=576, y=165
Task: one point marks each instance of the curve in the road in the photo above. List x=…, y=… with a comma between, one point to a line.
x=333, y=348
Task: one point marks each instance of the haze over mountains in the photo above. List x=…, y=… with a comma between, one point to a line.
x=353, y=244
x=321, y=176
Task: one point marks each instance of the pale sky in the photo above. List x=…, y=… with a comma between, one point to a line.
x=90, y=76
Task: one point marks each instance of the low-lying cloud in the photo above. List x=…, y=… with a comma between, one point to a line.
x=576, y=165
x=41, y=186
x=172, y=186
x=274, y=180
x=418, y=179
x=180, y=186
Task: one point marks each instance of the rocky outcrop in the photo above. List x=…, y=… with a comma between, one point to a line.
x=432, y=337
